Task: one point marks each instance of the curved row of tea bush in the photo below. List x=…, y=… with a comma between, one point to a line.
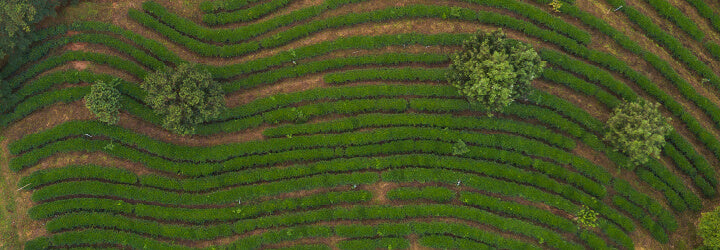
x=190, y=28
x=244, y=15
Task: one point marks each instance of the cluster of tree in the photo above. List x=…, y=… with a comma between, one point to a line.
x=183, y=97
x=495, y=71
x=18, y=17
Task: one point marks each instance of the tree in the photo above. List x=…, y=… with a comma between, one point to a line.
x=183, y=97
x=104, y=101
x=638, y=130
x=17, y=15
x=709, y=228
x=494, y=70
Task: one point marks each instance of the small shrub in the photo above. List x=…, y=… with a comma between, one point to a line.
x=494, y=70
x=460, y=148
x=104, y=101
x=586, y=217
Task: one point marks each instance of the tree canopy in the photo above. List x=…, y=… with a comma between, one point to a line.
x=104, y=101
x=494, y=70
x=183, y=97
x=18, y=16
x=637, y=129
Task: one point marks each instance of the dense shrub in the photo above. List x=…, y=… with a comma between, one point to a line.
x=104, y=101
x=638, y=130
x=183, y=97
x=709, y=228
x=494, y=70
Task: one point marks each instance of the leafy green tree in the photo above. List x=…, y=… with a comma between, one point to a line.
x=494, y=70
x=709, y=228
x=183, y=97
x=587, y=217
x=17, y=16
x=638, y=130
x=104, y=101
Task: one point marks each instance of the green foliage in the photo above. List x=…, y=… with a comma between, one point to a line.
x=494, y=70
x=17, y=16
x=183, y=97
x=104, y=101
x=638, y=130
x=709, y=228
x=460, y=148
x=586, y=217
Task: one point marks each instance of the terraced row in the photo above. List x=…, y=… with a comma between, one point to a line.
x=411, y=132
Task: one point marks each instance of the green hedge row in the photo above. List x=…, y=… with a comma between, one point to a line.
x=150, y=47
x=414, y=11
x=665, y=9
x=46, y=82
x=506, y=188
x=591, y=72
x=507, y=142
x=94, y=236
x=683, y=164
x=244, y=15
x=437, y=194
x=228, y=151
x=190, y=43
x=537, y=15
x=196, y=215
x=420, y=120
x=74, y=221
x=525, y=112
x=387, y=74
x=616, y=234
x=698, y=161
x=595, y=73
x=463, y=231
x=224, y=5
x=707, y=12
x=233, y=35
x=353, y=213
x=58, y=60
x=376, y=243
x=642, y=81
x=636, y=212
x=664, y=217
x=674, y=199
x=277, y=101
x=603, y=77
x=567, y=79
x=36, y=102
x=225, y=196
x=449, y=242
x=342, y=43
x=48, y=176
x=518, y=210
x=509, y=190
x=674, y=46
x=302, y=69
x=693, y=201
x=187, y=27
